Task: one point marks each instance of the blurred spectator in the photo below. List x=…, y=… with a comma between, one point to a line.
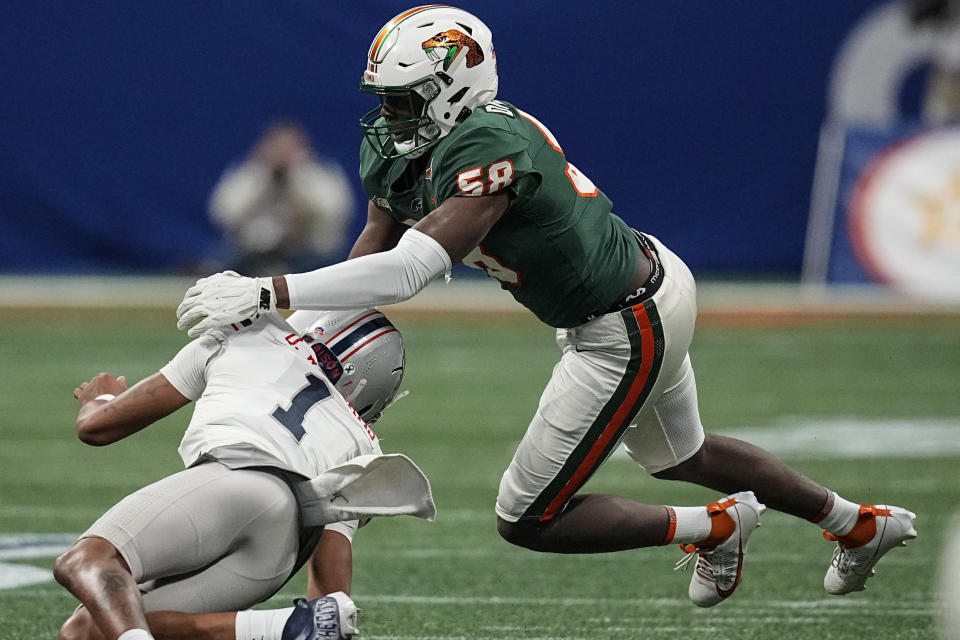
x=941, y=20
x=282, y=209
x=889, y=43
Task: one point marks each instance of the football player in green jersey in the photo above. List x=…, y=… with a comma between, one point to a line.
x=454, y=175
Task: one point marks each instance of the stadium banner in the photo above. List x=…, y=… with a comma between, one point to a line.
x=895, y=219
x=885, y=206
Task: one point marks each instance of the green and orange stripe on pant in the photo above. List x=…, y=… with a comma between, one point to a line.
x=647, y=346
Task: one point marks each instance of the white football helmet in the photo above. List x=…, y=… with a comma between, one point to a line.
x=361, y=352
x=430, y=67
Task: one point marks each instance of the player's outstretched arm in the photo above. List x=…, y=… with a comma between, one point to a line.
x=430, y=248
x=381, y=233
x=229, y=298
x=110, y=412
x=423, y=252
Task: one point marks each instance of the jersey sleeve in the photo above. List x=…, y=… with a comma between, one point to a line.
x=187, y=371
x=484, y=161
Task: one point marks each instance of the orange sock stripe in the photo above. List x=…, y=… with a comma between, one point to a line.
x=825, y=511
x=671, y=525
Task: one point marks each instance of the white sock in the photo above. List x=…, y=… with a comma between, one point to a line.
x=135, y=634
x=689, y=524
x=838, y=516
x=261, y=624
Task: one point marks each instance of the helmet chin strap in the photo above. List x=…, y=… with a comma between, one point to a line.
x=416, y=154
x=430, y=128
x=379, y=415
x=402, y=394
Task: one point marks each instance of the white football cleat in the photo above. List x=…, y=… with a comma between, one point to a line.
x=720, y=555
x=879, y=529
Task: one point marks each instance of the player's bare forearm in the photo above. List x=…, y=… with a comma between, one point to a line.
x=331, y=566
x=102, y=421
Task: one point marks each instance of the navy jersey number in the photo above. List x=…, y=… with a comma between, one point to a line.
x=292, y=418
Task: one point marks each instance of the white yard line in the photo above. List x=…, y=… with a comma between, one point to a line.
x=852, y=438
x=857, y=438
x=822, y=606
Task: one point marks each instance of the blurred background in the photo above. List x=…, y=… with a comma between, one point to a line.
x=702, y=121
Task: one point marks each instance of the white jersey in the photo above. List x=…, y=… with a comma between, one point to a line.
x=262, y=400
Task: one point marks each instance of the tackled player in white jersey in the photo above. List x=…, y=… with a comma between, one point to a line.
x=273, y=452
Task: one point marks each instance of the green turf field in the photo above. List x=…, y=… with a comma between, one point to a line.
x=870, y=408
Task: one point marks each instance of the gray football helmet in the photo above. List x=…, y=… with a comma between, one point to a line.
x=361, y=352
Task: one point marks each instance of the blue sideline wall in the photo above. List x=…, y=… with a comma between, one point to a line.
x=699, y=119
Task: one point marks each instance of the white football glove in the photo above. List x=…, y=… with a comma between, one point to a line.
x=224, y=298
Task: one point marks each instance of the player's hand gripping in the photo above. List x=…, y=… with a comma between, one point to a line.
x=100, y=384
x=224, y=298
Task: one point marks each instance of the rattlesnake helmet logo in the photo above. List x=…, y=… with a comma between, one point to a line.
x=453, y=41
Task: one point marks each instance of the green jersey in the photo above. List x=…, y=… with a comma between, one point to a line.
x=558, y=248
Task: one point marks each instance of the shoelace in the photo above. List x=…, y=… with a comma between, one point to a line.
x=689, y=553
x=848, y=561
x=844, y=559
x=704, y=566
x=841, y=560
